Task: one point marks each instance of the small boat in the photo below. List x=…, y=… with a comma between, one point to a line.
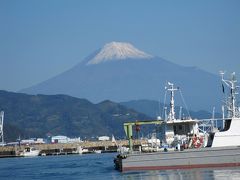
x=152, y=144
x=184, y=145
x=81, y=150
x=122, y=149
x=30, y=152
x=97, y=151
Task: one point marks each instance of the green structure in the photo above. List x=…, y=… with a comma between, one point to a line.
x=129, y=131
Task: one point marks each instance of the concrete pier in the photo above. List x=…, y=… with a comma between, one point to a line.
x=68, y=148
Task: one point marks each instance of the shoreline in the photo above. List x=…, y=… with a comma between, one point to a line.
x=68, y=148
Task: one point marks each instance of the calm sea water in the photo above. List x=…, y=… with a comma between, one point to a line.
x=96, y=166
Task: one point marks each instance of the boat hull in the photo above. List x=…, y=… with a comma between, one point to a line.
x=187, y=159
x=30, y=154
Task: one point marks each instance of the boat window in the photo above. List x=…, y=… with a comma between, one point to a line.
x=210, y=139
x=170, y=128
x=180, y=127
x=227, y=124
x=175, y=129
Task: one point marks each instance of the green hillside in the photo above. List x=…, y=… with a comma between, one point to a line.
x=42, y=115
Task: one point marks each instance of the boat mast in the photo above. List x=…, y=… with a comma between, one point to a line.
x=172, y=107
x=223, y=117
x=1, y=127
x=233, y=111
x=212, y=120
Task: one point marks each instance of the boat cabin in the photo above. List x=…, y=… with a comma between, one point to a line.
x=177, y=129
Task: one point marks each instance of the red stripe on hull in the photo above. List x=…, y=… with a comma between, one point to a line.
x=179, y=167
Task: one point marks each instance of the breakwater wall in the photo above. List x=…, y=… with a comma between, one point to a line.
x=68, y=148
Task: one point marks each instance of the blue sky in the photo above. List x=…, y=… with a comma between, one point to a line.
x=42, y=38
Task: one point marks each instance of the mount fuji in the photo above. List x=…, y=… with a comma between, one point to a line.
x=116, y=51
x=120, y=72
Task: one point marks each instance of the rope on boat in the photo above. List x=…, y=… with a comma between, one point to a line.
x=184, y=103
x=164, y=103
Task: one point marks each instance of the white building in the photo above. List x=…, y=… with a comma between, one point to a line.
x=32, y=141
x=59, y=139
x=103, y=138
x=65, y=139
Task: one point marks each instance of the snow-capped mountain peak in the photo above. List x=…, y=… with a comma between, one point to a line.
x=118, y=51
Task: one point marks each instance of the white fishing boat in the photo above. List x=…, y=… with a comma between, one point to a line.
x=184, y=144
x=151, y=145
x=81, y=150
x=30, y=152
x=97, y=151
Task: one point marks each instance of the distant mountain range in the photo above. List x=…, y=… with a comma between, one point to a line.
x=42, y=115
x=45, y=115
x=120, y=72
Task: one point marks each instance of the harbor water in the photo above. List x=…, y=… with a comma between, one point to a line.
x=97, y=166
